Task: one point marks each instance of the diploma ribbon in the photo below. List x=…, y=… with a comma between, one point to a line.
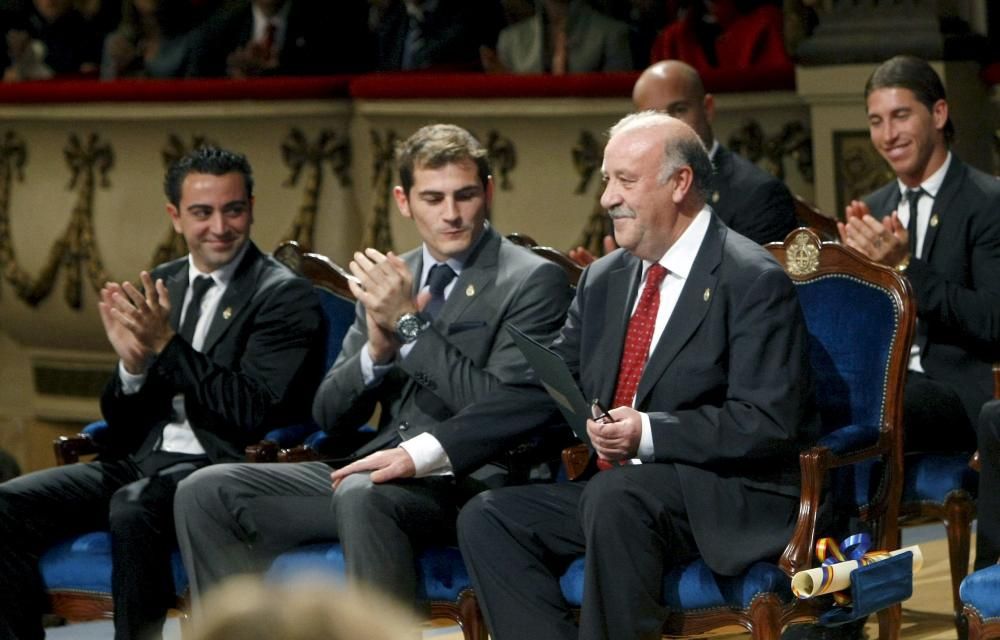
x=854, y=547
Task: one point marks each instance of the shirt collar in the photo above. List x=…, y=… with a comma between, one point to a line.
x=457, y=263
x=261, y=21
x=224, y=274
x=679, y=258
x=712, y=150
x=933, y=183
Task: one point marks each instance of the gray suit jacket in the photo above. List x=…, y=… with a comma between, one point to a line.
x=956, y=281
x=461, y=358
x=595, y=43
x=728, y=390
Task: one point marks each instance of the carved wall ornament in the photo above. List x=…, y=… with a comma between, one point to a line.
x=77, y=247
x=803, y=254
x=588, y=154
x=859, y=167
x=379, y=234
x=503, y=158
x=301, y=155
x=173, y=245
x=793, y=141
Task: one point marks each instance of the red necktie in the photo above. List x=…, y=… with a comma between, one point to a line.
x=270, y=39
x=637, y=340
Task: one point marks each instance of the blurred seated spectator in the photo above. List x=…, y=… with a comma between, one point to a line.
x=49, y=38
x=249, y=608
x=724, y=34
x=153, y=40
x=433, y=35
x=564, y=36
x=284, y=37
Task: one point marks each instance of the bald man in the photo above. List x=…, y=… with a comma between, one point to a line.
x=714, y=402
x=748, y=199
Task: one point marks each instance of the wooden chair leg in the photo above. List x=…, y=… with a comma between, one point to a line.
x=959, y=513
x=765, y=618
x=472, y=621
x=889, y=621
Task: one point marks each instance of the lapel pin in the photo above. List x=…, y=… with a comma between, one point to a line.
x=227, y=313
x=934, y=220
x=715, y=196
x=708, y=294
x=470, y=291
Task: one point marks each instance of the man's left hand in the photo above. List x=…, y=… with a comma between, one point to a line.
x=146, y=314
x=618, y=440
x=385, y=466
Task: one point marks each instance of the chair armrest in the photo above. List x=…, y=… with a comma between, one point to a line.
x=263, y=451
x=68, y=449
x=301, y=453
x=813, y=464
x=575, y=459
x=974, y=462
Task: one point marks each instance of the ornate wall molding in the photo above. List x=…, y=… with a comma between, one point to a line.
x=77, y=247
x=302, y=156
x=794, y=141
x=379, y=234
x=587, y=158
x=503, y=158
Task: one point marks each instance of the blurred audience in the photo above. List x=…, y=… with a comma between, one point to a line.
x=284, y=37
x=248, y=608
x=724, y=34
x=439, y=35
x=153, y=40
x=564, y=36
x=49, y=37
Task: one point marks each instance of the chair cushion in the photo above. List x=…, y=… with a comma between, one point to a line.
x=981, y=589
x=83, y=563
x=694, y=586
x=441, y=574
x=930, y=477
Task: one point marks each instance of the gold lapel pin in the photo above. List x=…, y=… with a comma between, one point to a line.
x=708, y=294
x=934, y=220
x=470, y=291
x=227, y=313
x=715, y=196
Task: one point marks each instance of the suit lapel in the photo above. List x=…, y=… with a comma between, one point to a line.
x=942, y=203
x=177, y=285
x=239, y=292
x=477, y=275
x=692, y=306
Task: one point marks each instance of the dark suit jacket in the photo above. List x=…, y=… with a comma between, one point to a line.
x=728, y=390
x=957, y=281
x=258, y=369
x=750, y=200
x=461, y=358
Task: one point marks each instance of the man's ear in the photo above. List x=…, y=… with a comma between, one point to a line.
x=684, y=179
x=939, y=112
x=709, y=104
x=402, y=201
x=175, y=217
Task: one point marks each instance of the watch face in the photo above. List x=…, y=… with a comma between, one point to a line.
x=408, y=327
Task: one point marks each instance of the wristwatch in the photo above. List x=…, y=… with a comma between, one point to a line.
x=409, y=326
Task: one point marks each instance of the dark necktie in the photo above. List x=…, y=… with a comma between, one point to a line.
x=913, y=198
x=414, y=56
x=198, y=288
x=437, y=281
x=637, y=340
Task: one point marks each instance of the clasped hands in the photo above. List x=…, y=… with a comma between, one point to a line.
x=384, y=287
x=619, y=440
x=886, y=242
x=137, y=323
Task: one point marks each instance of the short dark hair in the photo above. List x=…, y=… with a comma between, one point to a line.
x=207, y=159
x=915, y=74
x=437, y=145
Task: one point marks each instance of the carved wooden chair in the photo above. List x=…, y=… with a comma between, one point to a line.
x=858, y=460
x=981, y=599
x=77, y=571
x=812, y=217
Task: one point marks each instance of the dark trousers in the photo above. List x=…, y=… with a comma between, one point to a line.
x=934, y=417
x=631, y=523
x=988, y=505
x=134, y=499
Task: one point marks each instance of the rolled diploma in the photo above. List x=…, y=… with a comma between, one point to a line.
x=809, y=583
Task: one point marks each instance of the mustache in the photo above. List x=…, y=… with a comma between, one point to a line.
x=621, y=211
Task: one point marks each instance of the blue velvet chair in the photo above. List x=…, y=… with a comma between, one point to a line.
x=77, y=571
x=980, y=593
x=860, y=319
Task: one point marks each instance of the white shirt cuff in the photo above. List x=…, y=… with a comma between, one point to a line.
x=131, y=382
x=428, y=455
x=645, y=452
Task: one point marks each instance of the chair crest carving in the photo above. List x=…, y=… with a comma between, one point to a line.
x=802, y=257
